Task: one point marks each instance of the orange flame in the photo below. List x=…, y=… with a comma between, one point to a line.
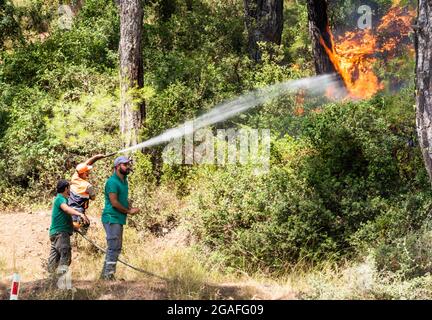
x=353, y=55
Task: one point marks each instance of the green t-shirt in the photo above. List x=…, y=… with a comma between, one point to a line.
x=115, y=185
x=60, y=220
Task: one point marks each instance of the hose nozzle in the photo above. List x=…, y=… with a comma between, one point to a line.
x=110, y=154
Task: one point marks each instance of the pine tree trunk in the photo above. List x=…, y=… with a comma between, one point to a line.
x=318, y=27
x=424, y=81
x=131, y=69
x=264, y=23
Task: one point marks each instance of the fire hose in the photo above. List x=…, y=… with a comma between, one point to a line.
x=110, y=154
x=119, y=260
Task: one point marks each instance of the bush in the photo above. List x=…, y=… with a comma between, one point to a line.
x=410, y=256
x=28, y=151
x=350, y=179
x=263, y=221
x=161, y=207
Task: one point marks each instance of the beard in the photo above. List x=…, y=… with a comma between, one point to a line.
x=125, y=172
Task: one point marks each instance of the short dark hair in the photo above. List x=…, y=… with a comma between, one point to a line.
x=62, y=185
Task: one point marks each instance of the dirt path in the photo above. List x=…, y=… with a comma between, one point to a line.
x=25, y=244
x=27, y=235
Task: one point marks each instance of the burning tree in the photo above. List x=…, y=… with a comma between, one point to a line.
x=354, y=54
x=319, y=33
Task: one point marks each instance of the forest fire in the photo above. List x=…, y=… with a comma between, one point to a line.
x=354, y=54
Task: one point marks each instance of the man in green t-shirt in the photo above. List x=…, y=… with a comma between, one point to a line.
x=114, y=214
x=61, y=229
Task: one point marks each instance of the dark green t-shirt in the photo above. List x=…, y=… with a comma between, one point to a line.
x=115, y=185
x=60, y=220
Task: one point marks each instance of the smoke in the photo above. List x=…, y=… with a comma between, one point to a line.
x=313, y=85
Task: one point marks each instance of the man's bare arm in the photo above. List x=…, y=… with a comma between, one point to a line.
x=116, y=204
x=73, y=212
x=95, y=158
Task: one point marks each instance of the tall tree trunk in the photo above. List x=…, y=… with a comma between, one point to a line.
x=264, y=22
x=131, y=69
x=319, y=27
x=423, y=42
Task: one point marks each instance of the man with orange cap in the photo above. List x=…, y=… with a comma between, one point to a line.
x=81, y=191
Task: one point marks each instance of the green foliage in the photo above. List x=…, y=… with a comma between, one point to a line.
x=295, y=36
x=409, y=256
x=160, y=205
x=50, y=102
x=367, y=170
x=348, y=182
x=270, y=226
x=87, y=125
x=53, y=63
x=9, y=27
x=344, y=177
x=29, y=153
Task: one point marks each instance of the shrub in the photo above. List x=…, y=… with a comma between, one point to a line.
x=410, y=256
x=266, y=221
x=349, y=180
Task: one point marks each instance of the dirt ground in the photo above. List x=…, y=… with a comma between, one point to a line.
x=25, y=236
x=24, y=242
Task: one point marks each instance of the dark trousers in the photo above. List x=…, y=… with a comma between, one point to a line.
x=114, y=237
x=60, y=254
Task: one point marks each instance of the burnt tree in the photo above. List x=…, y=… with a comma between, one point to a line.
x=264, y=23
x=423, y=41
x=319, y=29
x=131, y=69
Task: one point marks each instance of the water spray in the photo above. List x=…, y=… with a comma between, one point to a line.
x=317, y=85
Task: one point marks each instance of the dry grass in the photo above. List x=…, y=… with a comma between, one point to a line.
x=191, y=273
x=170, y=257
x=190, y=276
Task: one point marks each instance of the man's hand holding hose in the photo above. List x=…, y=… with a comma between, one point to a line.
x=85, y=219
x=116, y=204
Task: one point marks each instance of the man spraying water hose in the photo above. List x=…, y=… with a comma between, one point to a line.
x=81, y=191
x=115, y=213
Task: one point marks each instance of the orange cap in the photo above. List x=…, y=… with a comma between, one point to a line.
x=82, y=167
